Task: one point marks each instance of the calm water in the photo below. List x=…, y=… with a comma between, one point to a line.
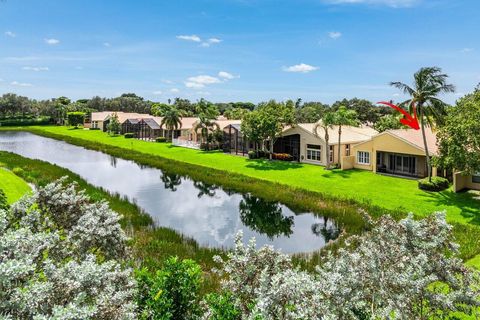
x=206, y=213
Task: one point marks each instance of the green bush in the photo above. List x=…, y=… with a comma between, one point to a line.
x=94, y=128
x=3, y=201
x=25, y=121
x=161, y=139
x=222, y=307
x=18, y=171
x=75, y=118
x=128, y=135
x=437, y=184
x=252, y=155
x=171, y=293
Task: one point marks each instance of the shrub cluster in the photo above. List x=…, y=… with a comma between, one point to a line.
x=282, y=156
x=94, y=128
x=24, y=121
x=259, y=154
x=128, y=135
x=161, y=139
x=209, y=146
x=437, y=184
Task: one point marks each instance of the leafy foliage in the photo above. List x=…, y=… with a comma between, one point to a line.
x=3, y=201
x=75, y=118
x=434, y=184
x=458, y=139
x=389, y=122
x=62, y=256
x=396, y=270
x=113, y=126
x=172, y=293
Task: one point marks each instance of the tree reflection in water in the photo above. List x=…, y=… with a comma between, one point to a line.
x=265, y=217
x=171, y=181
x=205, y=189
x=328, y=232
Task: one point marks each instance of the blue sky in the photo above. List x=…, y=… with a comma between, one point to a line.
x=235, y=50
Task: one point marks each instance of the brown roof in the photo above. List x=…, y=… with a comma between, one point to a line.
x=415, y=138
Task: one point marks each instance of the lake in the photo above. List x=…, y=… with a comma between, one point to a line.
x=206, y=213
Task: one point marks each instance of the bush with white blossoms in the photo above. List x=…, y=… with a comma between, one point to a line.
x=62, y=257
x=397, y=270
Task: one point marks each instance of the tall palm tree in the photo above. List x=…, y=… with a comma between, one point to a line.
x=172, y=120
x=344, y=117
x=326, y=123
x=428, y=84
x=205, y=125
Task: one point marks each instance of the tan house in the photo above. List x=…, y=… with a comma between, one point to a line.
x=100, y=120
x=397, y=152
x=461, y=181
x=304, y=145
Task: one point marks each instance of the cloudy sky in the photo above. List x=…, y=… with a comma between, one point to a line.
x=234, y=50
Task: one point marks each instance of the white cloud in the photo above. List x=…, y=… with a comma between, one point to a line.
x=334, y=35
x=107, y=44
x=390, y=3
x=52, y=41
x=211, y=41
x=205, y=44
x=193, y=38
x=157, y=93
x=226, y=75
x=467, y=50
x=302, y=67
x=10, y=34
x=214, y=40
x=36, y=69
x=167, y=81
x=20, y=84
x=201, y=81
x=174, y=90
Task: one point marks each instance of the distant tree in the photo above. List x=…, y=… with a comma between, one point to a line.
x=12, y=104
x=274, y=117
x=428, y=84
x=366, y=111
x=388, y=122
x=251, y=128
x=344, y=117
x=310, y=112
x=458, y=138
x=75, y=118
x=207, y=116
x=185, y=105
x=172, y=119
x=114, y=126
x=235, y=113
x=159, y=109
x=326, y=123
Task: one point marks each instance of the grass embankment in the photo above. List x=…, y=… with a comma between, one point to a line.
x=13, y=186
x=332, y=193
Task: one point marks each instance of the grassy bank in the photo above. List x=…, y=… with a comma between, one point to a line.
x=13, y=186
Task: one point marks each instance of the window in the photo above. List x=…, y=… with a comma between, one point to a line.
x=363, y=157
x=476, y=178
x=314, y=152
x=347, y=150
x=330, y=156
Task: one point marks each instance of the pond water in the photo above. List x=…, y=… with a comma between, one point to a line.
x=203, y=212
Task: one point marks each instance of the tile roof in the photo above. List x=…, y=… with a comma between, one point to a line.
x=349, y=134
x=415, y=137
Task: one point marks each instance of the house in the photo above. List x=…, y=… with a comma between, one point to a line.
x=398, y=152
x=234, y=141
x=301, y=142
x=462, y=181
x=100, y=120
x=148, y=129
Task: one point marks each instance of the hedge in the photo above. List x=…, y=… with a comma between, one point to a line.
x=437, y=184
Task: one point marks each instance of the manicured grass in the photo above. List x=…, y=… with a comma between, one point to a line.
x=13, y=186
x=364, y=187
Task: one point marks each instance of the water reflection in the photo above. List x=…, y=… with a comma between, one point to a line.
x=265, y=217
x=207, y=213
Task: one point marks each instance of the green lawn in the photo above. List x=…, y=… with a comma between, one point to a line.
x=363, y=186
x=13, y=186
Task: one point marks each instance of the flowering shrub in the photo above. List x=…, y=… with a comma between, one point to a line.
x=61, y=257
x=282, y=156
x=397, y=270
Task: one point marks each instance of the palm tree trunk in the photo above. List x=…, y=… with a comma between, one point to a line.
x=173, y=135
x=427, y=155
x=339, y=142
x=327, y=148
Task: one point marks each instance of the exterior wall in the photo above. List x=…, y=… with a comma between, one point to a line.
x=306, y=138
x=461, y=182
x=348, y=162
x=389, y=144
